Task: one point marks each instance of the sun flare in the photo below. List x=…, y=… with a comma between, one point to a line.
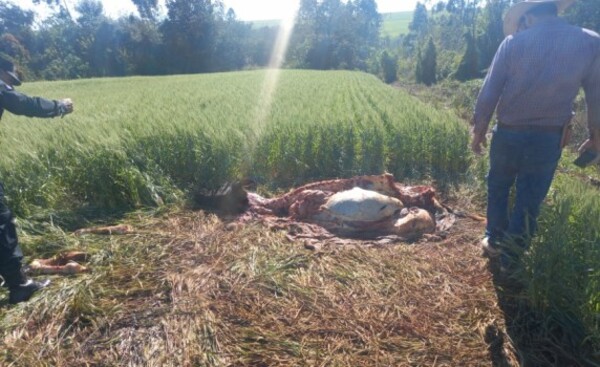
x=277, y=59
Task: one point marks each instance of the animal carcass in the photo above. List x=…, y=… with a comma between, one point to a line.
x=358, y=207
x=66, y=263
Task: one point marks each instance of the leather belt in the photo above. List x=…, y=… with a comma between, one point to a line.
x=532, y=128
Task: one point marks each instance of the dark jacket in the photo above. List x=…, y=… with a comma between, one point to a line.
x=20, y=104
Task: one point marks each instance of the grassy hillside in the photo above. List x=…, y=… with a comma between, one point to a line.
x=395, y=24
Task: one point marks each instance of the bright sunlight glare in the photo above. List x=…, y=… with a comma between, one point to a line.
x=246, y=10
x=276, y=61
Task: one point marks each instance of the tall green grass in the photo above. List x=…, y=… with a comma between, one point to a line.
x=141, y=141
x=357, y=126
x=564, y=261
x=562, y=269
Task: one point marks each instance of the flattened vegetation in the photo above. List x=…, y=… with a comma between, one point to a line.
x=184, y=290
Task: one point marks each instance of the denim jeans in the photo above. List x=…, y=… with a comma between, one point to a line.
x=526, y=160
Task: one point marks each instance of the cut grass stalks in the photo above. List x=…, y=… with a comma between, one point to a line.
x=184, y=291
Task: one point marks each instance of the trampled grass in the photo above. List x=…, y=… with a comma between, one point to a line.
x=185, y=290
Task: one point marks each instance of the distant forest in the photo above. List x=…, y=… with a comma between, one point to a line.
x=453, y=39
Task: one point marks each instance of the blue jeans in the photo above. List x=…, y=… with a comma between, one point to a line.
x=527, y=160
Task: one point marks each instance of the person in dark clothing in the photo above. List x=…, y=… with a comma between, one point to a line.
x=20, y=287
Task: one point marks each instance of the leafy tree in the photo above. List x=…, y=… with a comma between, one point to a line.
x=146, y=8
x=322, y=53
x=259, y=45
x=585, y=13
x=231, y=38
x=305, y=34
x=420, y=20
x=389, y=67
x=91, y=13
x=366, y=22
x=419, y=67
x=15, y=20
x=427, y=65
x=16, y=34
x=331, y=34
x=190, y=35
x=95, y=35
x=54, y=52
x=199, y=36
x=492, y=32
x=469, y=65
x=139, y=46
x=11, y=47
x=61, y=5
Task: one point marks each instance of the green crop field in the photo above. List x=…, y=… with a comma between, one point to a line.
x=184, y=289
x=395, y=24
x=136, y=141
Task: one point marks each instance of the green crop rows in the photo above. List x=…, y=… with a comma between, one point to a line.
x=138, y=141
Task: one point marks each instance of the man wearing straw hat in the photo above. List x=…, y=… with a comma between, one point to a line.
x=531, y=84
x=20, y=287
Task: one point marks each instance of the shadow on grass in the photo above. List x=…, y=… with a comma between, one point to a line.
x=539, y=338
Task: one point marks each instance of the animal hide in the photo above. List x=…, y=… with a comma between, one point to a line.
x=374, y=208
x=64, y=264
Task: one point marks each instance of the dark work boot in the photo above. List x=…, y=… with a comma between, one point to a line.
x=23, y=292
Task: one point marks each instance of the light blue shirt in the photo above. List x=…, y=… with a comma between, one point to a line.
x=536, y=75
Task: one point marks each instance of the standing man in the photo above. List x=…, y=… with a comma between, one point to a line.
x=20, y=288
x=532, y=83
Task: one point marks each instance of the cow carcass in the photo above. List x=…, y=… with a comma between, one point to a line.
x=362, y=207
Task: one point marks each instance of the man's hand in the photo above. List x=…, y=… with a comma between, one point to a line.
x=65, y=106
x=477, y=141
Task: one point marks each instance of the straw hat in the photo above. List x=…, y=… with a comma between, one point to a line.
x=514, y=14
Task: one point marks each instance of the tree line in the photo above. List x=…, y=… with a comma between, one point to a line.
x=457, y=39
x=447, y=39
x=194, y=36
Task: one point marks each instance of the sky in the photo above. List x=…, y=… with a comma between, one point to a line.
x=245, y=9
x=276, y=9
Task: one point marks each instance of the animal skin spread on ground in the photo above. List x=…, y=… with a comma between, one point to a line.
x=358, y=207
